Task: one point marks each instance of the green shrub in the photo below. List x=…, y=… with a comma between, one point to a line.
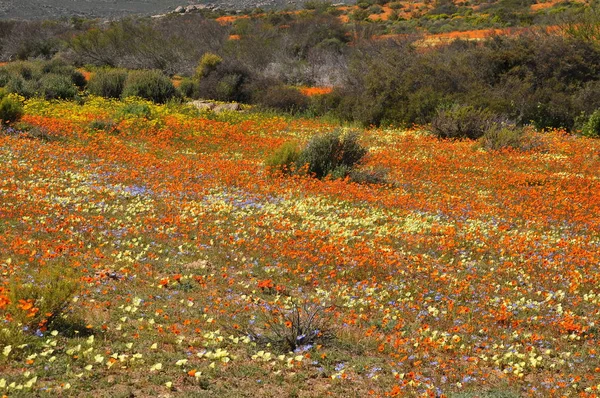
x=20, y=86
x=459, y=121
x=59, y=67
x=501, y=137
x=11, y=110
x=189, y=88
x=36, y=303
x=135, y=110
x=152, y=85
x=4, y=77
x=284, y=159
x=108, y=83
x=284, y=98
x=508, y=136
x=332, y=154
x=207, y=64
x=53, y=86
x=592, y=127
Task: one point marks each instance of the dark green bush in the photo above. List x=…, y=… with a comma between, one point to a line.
x=11, y=110
x=189, y=88
x=149, y=84
x=284, y=98
x=59, y=67
x=53, y=86
x=460, y=121
x=4, y=77
x=108, y=83
x=592, y=127
x=332, y=154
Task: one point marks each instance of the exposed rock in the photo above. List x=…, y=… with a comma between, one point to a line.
x=203, y=105
x=180, y=9
x=228, y=107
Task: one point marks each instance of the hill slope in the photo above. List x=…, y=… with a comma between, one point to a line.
x=34, y=9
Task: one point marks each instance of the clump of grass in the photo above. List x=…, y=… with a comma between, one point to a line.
x=290, y=323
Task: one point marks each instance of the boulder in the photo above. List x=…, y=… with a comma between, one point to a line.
x=203, y=105
x=234, y=107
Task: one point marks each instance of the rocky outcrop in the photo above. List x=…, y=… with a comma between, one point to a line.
x=205, y=105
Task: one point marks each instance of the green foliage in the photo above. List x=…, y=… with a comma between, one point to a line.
x=50, y=79
x=152, y=85
x=54, y=86
x=332, y=154
x=207, y=64
x=459, y=121
x=108, y=83
x=284, y=158
x=592, y=127
x=135, y=109
x=503, y=136
x=189, y=88
x=11, y=110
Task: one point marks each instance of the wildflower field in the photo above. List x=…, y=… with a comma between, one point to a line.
x=154, y=255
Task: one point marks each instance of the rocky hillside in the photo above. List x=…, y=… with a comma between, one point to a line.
x=36, y=9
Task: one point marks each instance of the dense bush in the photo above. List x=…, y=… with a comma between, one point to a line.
x=592, y=127
x=459, y=121
x=108, y=83
x=152, y=85
x=326, y=155
x=189, y=88
x=502, y=136
x=11, y=110
x=53, y=79
x=54, y=86
x=332, y=154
